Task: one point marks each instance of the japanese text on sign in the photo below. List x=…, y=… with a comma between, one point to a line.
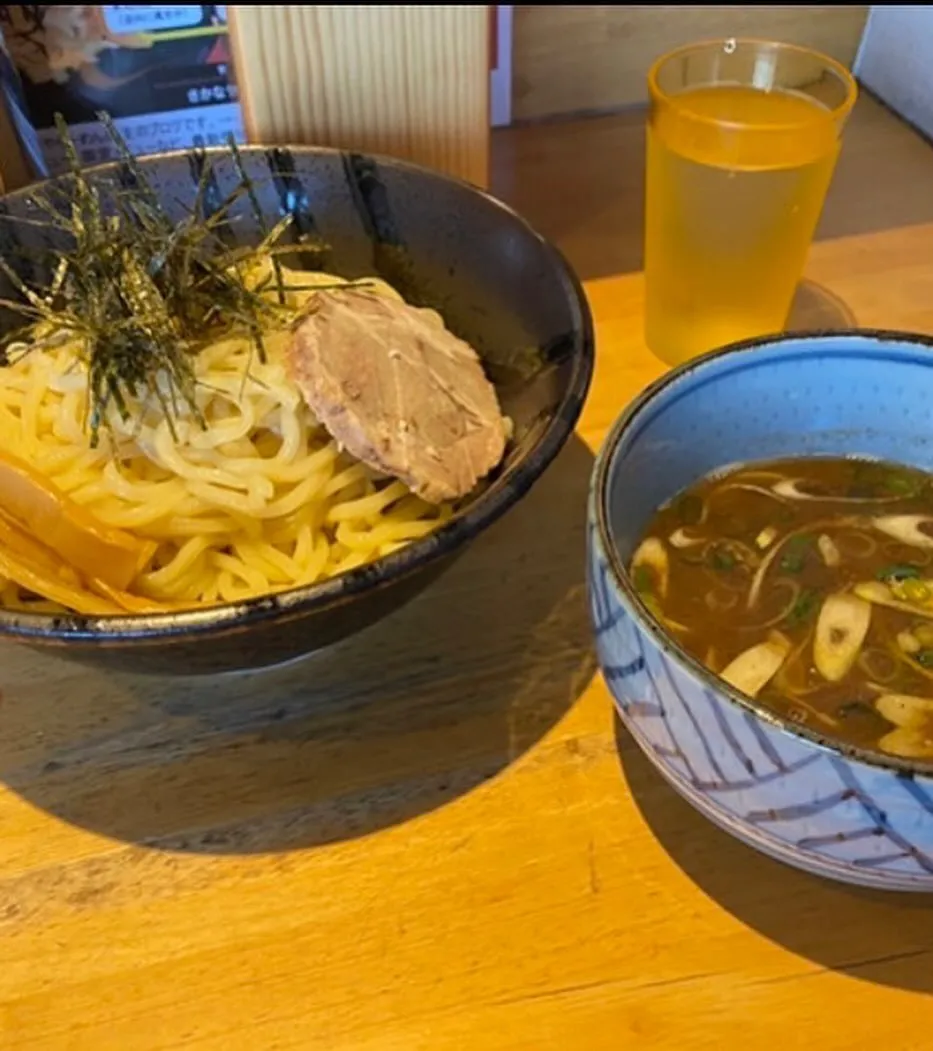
x=150, y=18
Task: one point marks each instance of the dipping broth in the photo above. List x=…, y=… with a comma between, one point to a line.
x=807, y=584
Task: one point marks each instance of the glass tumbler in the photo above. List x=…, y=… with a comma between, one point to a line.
x=743, y=137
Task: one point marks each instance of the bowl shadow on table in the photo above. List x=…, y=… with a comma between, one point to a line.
x=395, y=722
x=877, y=936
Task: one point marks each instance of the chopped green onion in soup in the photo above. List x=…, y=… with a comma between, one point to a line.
x=808, y=585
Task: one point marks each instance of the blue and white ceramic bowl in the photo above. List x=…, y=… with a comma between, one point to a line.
x=830, y=808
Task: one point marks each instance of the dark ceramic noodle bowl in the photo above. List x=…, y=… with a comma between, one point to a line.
x=442, y=243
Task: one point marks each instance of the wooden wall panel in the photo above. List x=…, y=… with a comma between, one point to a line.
x=576, y=58
x=399, y=79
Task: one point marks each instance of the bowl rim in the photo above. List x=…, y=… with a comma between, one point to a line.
x=503, y=493
x=867, y=339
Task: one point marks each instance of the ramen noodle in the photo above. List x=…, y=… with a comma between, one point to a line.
x=254, y=498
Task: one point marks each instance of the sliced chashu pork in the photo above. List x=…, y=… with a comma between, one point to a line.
x=398, y=391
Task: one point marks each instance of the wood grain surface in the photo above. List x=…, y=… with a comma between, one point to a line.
x=410, y=81
x=581, y=57
x=434, y=836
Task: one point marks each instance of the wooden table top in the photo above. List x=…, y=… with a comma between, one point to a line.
x=434, y=836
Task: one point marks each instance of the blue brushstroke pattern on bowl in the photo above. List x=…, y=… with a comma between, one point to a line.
x=838, y=811
x=442, y=243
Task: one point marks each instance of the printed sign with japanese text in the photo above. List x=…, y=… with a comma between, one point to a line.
x=164, y=73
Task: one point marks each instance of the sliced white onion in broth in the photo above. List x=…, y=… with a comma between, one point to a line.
x=840, y=631
x=681, y=539
x=766, y=537
x=828, y=550
x=787, y=488
x=908, y=642
x=755, y=667
x=912, y=718
x=907, y=744
x=771, y=493
x=906, y=710
x=905, y=528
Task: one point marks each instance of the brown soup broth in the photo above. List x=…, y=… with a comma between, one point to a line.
x=807, y=583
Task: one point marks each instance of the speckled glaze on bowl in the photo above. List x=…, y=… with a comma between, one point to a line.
x=837, y=811
x=441, y=243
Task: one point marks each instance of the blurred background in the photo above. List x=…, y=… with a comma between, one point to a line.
x=543, y=104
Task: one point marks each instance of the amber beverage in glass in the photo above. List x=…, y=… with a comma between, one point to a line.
x=743, y=137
